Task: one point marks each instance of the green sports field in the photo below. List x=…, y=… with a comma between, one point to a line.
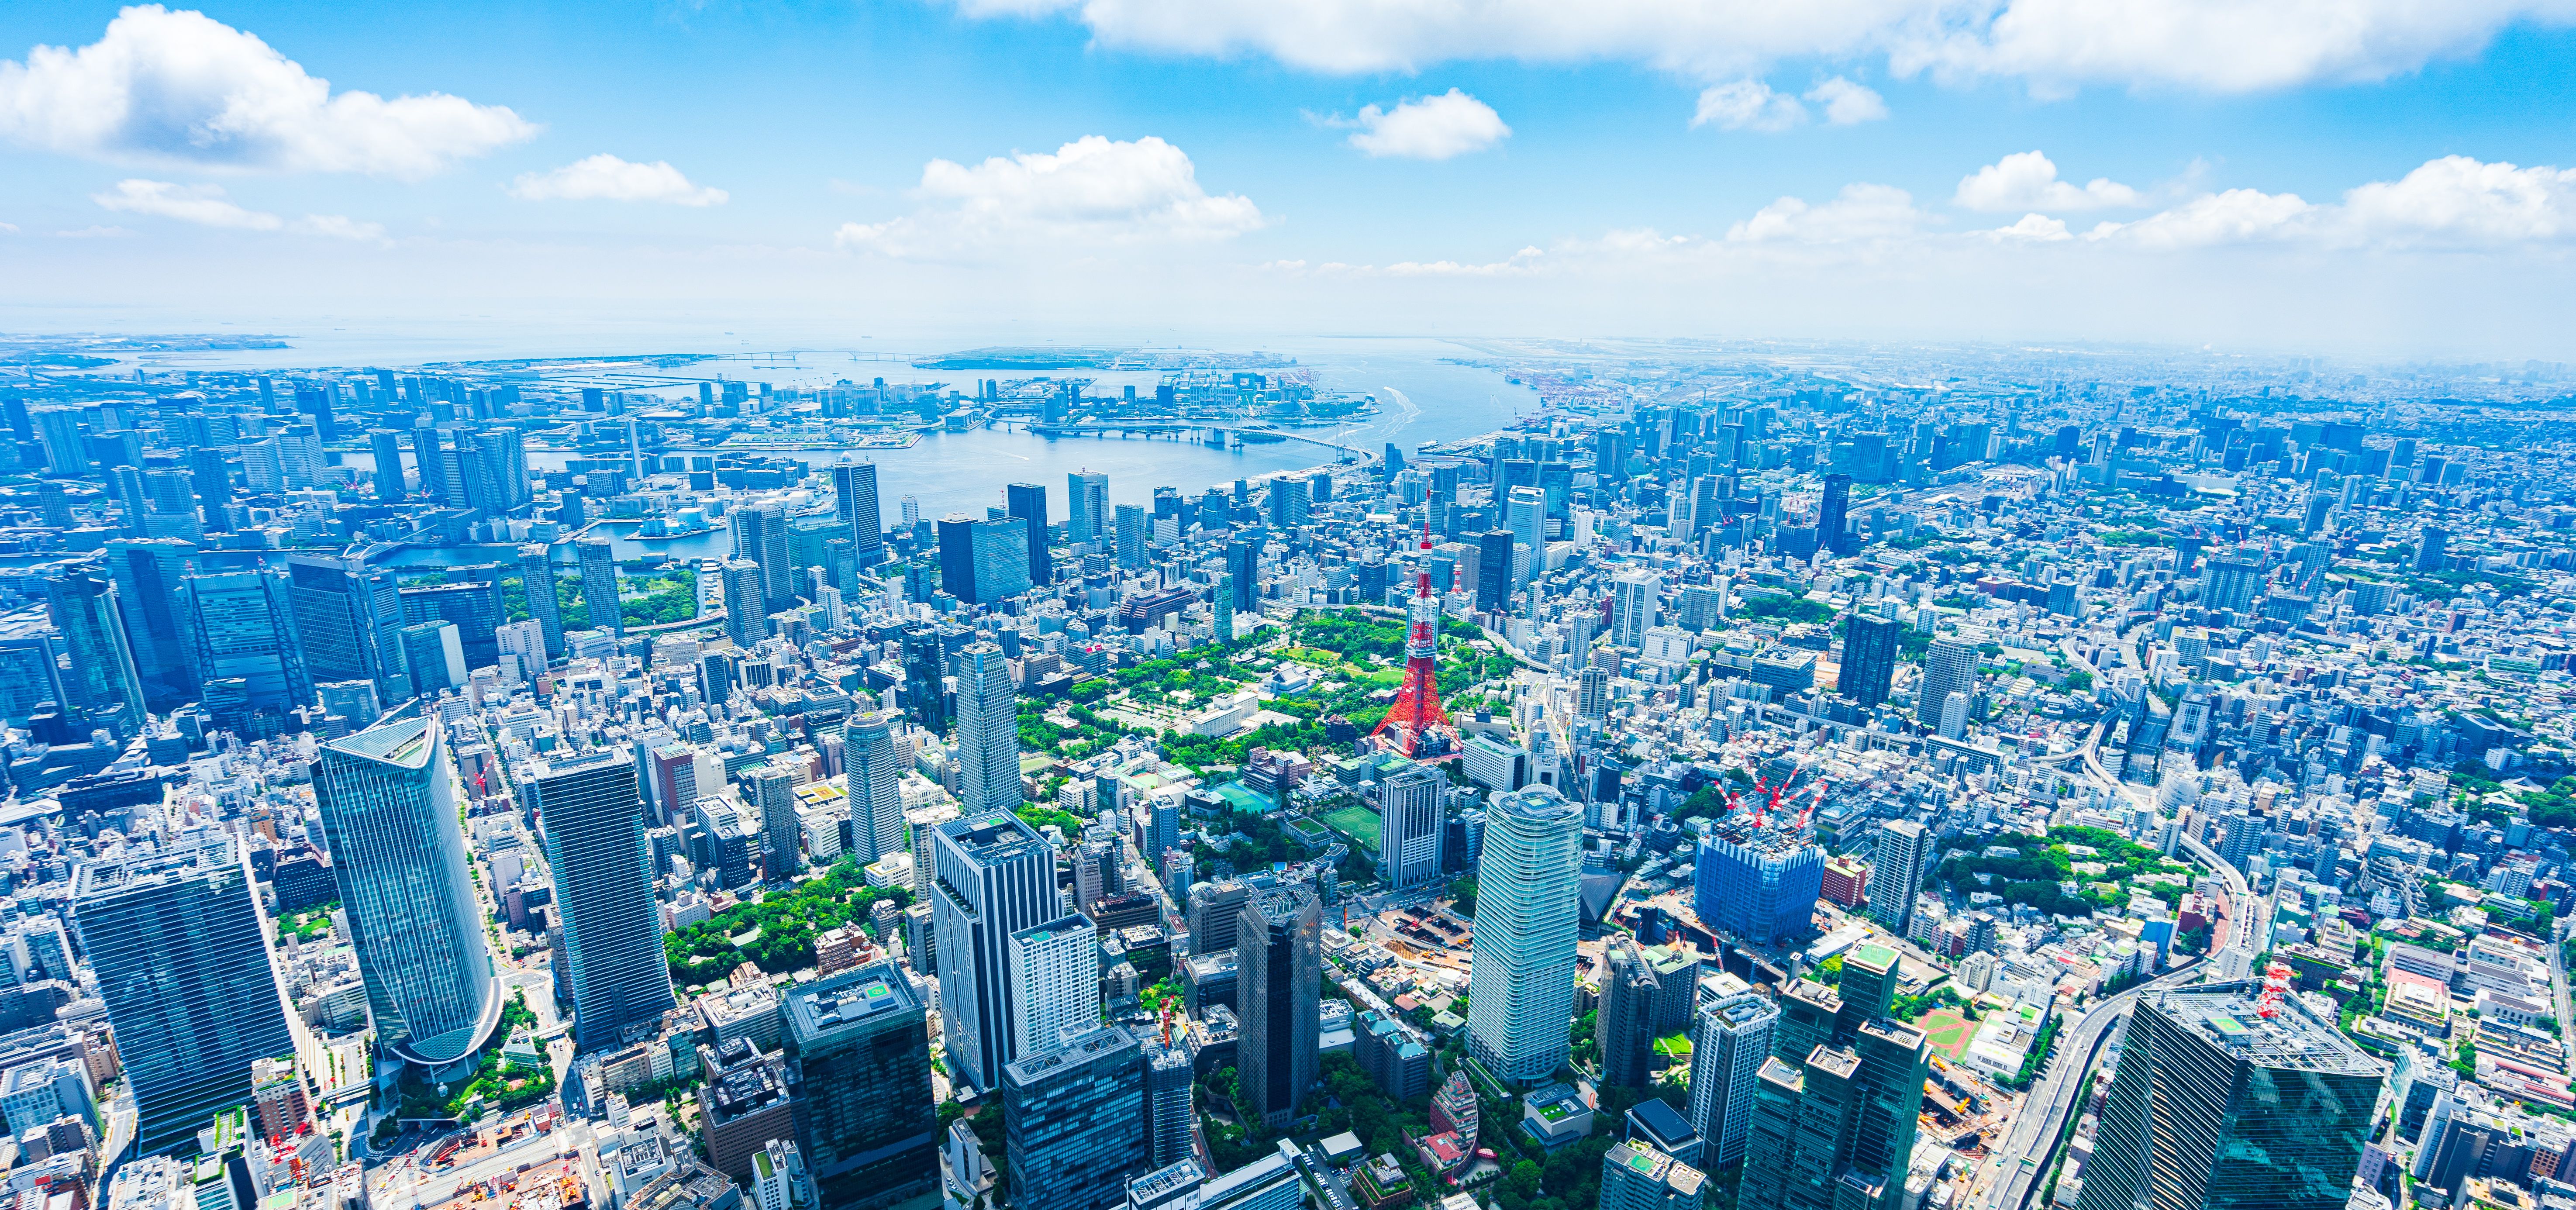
x=1948, y=1032
x=1358, y=823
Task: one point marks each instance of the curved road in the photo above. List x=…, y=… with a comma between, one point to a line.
x=2035, y=1135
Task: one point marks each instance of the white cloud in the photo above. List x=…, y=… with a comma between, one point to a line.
x=206, y=206
x=608, y=178
x=203, y=205
x=1092, y=190
x=1428, y=128
x=182, y=89
x=2219, y=46
x=2235, y=216
x=1847, y=103
x=2027, y=180
x=1859, y=214
x=9, y=228
x=2458, y=200
x=1747, y=105
x=2031, y=229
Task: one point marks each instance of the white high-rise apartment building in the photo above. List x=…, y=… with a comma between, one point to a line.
x=988, y=732
x=1409, y=825
x=1728, y=1044
x=1898, y=875
x=1638, y=593
x=1055, y=982
x=1521, y=986
x=873, y=772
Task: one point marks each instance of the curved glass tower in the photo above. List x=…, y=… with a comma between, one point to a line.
x=1521, y=984
x=388, y=802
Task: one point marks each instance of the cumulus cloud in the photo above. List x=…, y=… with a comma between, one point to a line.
x=2027, y=180
x=206, y=206
x=2458, y=200
x=2234, y=216
x=1747, y=105
x=2031, y=229
x=183, y=89
x=1093, y=189
x=2223, y=46
x=1846, y=103
x=1427, y=128
x=1861, y=213
x=608, y=178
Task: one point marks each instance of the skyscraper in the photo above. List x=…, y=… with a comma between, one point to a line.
x=1243, y=563
x=1870, y=645
x=746, y=601
x=599, y=586
x=993, y=876
x=854, y=496
x=769, y=793
x=388, y=804
x=1086, y=495
x=1636, y=596
x=988, y=731
x=868, y=1126
x=537, y=582
x=1073, y=1123
x=386, y=445
x=1169, y=1120
x=1131, y=536
x=1494, y=570
x=175, y=940
x=348, y=619
x=594, y=826
x=875, y=785
x=1521, y=982
x=760, y=535
x=147, y=574
x=1222, y=608
x=1949, y=666
x=241, y=627
x=2217, y=1106
x=1410, y=822
x=1728, y=1046
x=1832, y=513
x=1278, y=945
x=1897, y=876
x=1630, y=993
x=1054, y=969
x=1028, y=503
x=925, y=677
x=101, y=681
x=1001, y=556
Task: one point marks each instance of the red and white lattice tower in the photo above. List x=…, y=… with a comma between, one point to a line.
x=1409, y=727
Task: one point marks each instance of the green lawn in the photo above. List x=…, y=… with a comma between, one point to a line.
x=1358, y=823
x=1948, y=1032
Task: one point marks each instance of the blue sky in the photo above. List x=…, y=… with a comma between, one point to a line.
x=1205, y=168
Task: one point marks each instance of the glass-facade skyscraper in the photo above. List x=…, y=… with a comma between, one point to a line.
x=175, y=940
x=594, y=828
x=2216, y=1106
x=387, y=797
x=1073, y=1123
x=1278, y=946
x=1521, y=984
x=860, y=1041
x=1759, y=883
x=101, y=682
x=599, y=585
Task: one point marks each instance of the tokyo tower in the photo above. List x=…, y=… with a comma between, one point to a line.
x=1418, y=725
